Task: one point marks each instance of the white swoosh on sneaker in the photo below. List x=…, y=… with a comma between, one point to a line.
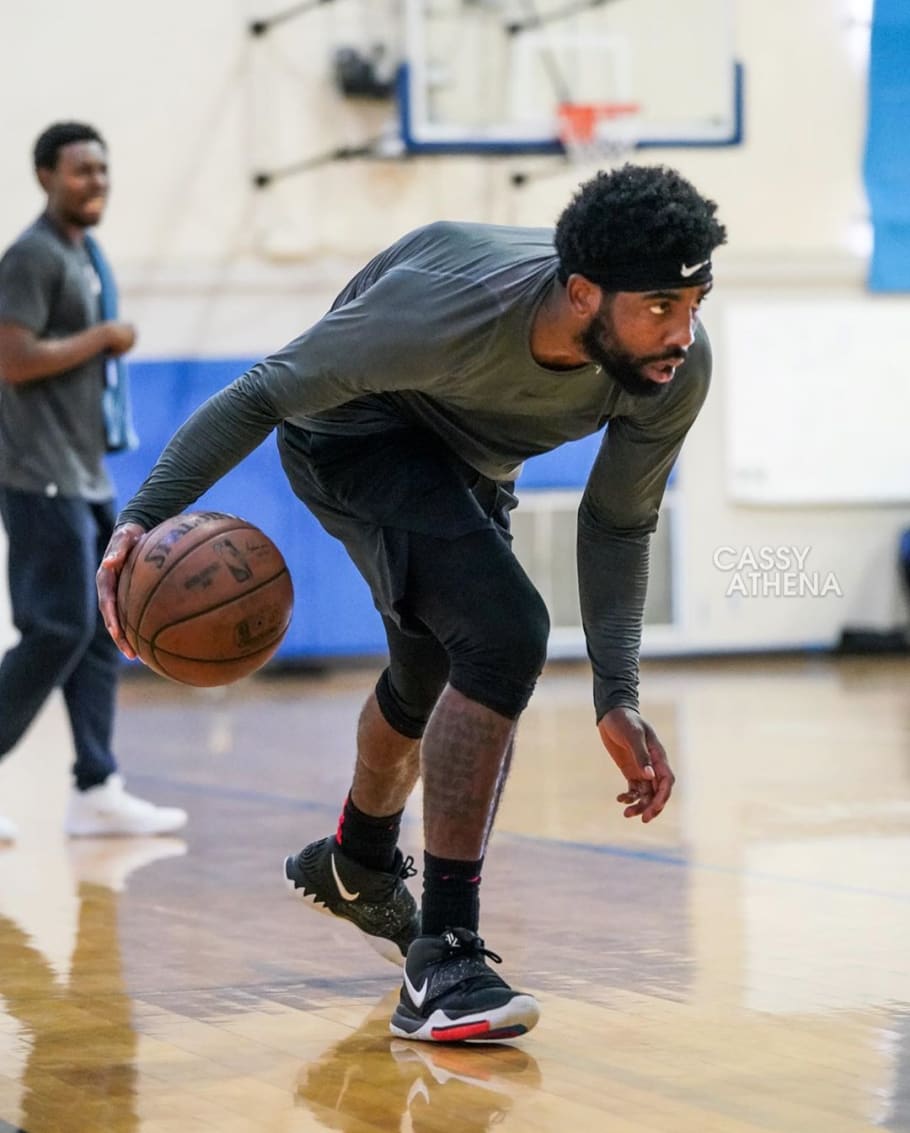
x=685, y=271
x=417, y=997
x=346, y=894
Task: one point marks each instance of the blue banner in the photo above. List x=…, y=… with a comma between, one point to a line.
x=887, y=162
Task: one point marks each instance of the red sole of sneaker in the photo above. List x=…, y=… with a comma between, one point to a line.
x=476, y=1031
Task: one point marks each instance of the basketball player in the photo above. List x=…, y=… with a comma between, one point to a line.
x=403, y=417
x=62, y=406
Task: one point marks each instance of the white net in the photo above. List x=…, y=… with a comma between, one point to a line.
x=602, y=133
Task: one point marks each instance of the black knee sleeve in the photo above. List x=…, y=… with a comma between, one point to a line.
x=500, y=661
x=406, y=699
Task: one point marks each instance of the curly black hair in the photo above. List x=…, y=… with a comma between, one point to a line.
x=635, y=213
x=48, y=146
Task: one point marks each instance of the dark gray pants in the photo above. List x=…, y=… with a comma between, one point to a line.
x=55, y=546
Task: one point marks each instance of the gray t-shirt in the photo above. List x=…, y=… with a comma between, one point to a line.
x=435, y=331
x=52, y=437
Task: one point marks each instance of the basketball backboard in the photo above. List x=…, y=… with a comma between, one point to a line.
x=488, y=76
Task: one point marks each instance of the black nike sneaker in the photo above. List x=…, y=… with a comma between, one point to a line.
x=450, y=993
x=379, y=904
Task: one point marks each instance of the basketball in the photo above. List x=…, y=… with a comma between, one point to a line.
x=205, y=598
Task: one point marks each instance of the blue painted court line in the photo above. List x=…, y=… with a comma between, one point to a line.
x=664, y=857
x=657, y=857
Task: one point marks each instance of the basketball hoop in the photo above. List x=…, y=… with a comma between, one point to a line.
x=600, y=132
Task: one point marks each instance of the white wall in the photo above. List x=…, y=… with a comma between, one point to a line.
x=191, y=105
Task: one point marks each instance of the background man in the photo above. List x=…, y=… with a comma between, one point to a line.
x=62, y=405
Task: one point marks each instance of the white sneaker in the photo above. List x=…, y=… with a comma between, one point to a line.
x=8, y=831
x=109, y=809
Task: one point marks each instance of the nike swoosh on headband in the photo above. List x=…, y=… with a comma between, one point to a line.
x=686, y=270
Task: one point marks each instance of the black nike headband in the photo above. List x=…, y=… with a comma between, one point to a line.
x=652, y=275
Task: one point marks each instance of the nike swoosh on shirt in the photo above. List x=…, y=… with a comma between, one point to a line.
x=417, y=997
x=346, y=894
x=685, y=271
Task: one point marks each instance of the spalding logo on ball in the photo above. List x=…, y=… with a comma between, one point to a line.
x=205, y=598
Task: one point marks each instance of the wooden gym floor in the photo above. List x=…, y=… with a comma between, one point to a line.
x=741, y=966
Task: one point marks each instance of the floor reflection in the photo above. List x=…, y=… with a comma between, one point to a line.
x=370, y=1079
x=75, y=1033
x=894, y=1112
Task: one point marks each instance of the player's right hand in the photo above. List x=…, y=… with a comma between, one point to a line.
x=640, y=756
x=121, y=337
x=124, y=538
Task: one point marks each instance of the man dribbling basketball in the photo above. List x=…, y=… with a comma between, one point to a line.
x=403, y=417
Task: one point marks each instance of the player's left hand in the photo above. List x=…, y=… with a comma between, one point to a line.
x=640, y=756
x=123, y=539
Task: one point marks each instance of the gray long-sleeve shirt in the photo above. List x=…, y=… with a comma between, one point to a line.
x=435, y=331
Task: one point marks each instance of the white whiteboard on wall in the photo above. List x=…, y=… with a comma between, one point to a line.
x=817, y=399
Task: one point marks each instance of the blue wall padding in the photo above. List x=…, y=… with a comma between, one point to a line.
x=887, y=161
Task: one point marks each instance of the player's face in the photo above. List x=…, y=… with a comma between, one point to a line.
x=640, y=338
x=78, y=185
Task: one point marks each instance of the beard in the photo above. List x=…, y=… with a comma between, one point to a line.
x=599, y=342
x=80, y=218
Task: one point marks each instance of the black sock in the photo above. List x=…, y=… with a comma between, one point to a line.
x=451, y=894
x=368, y=840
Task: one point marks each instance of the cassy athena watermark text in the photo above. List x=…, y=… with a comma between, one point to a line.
x=774, y=572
